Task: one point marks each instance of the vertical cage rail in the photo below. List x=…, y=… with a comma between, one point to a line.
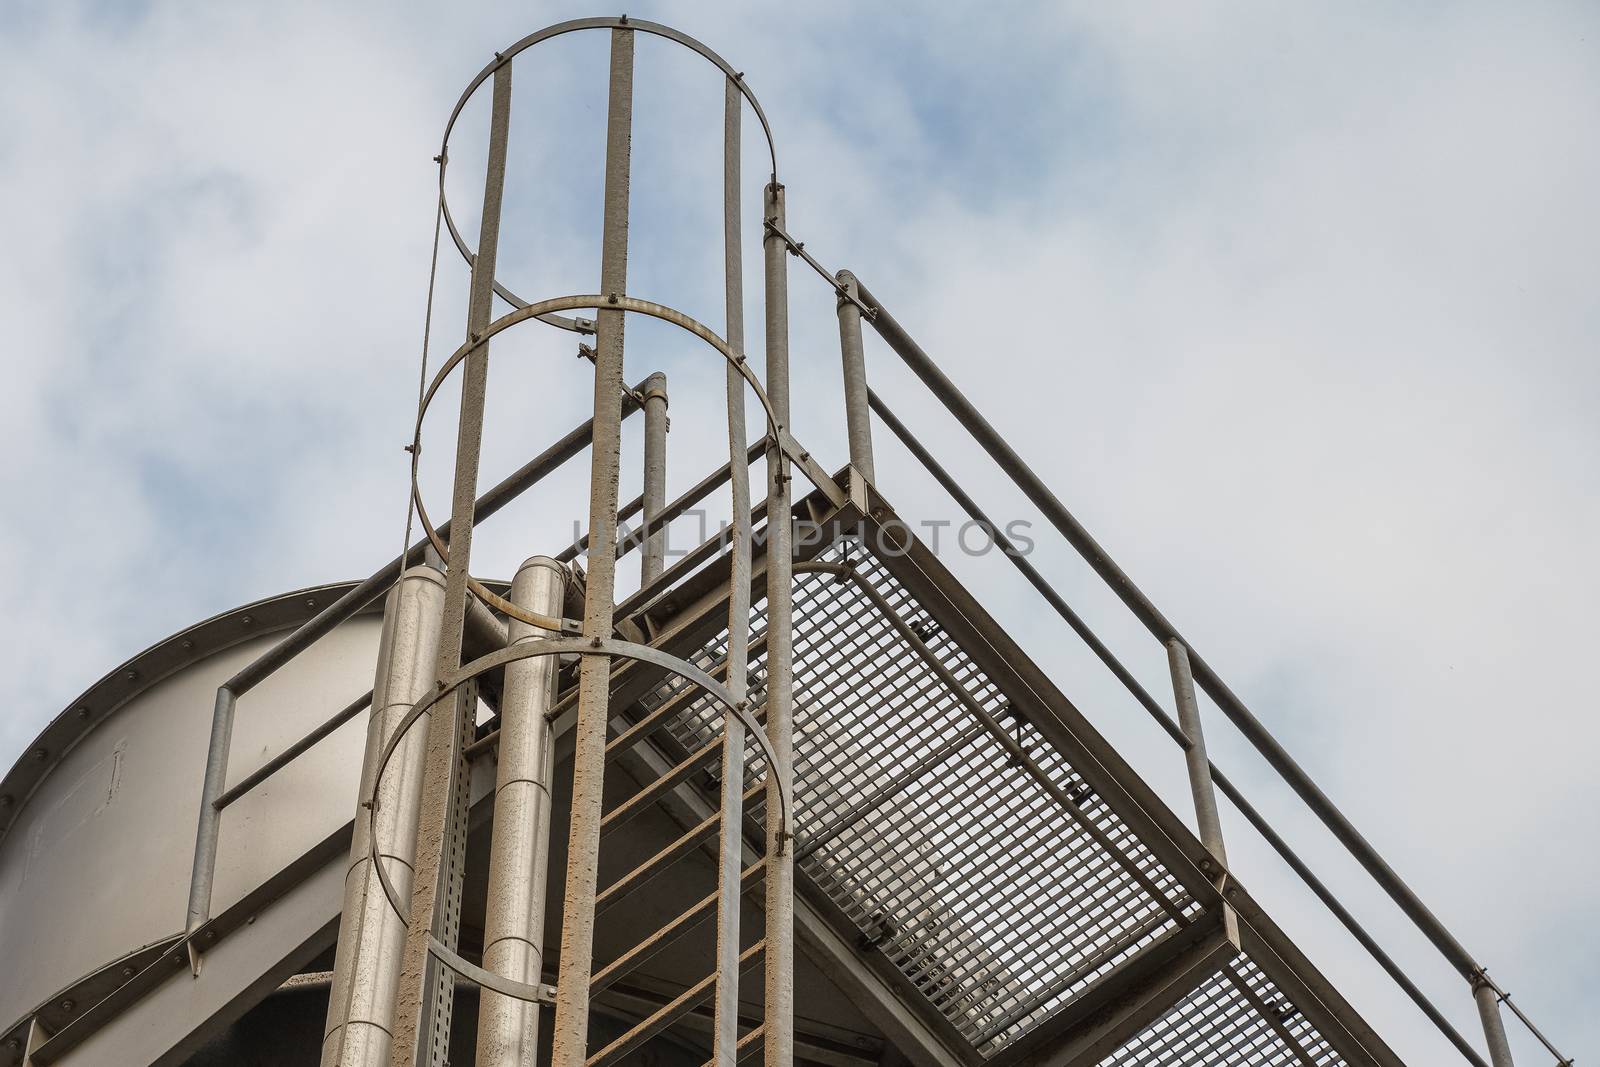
x=571, y=1030
x=778, y=1038
x=730, y=844
x=426, y=994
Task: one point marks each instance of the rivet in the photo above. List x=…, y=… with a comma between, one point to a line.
x=83, y=713
x=13, y=1044
x=6, y=801
x=311, y=602
x=187, y=644
x=131, y=675
x=40, y=755
x=247, y=619
x=250, y=920
x=127, y=973
x=211, y=935
x=67, y=1006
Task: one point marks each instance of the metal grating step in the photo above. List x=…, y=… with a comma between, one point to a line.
x=940, y=847
x=1237, y=1017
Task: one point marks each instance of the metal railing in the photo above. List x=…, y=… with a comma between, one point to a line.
x=856, y=302
x=215, y=796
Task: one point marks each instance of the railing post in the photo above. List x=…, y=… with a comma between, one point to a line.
x=858, y=417
x=570, y=1034
x=778, y=1038
x=426, y=993
x=1494, y=1031
x=205, y=842
x=1194, y=753
x=519, y=847
x=653, y=559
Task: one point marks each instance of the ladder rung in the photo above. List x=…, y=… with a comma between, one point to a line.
x=672, y=705
x=666, y=857
x=746, y=1045
x=674, y=777
x=668, y=1013
x=669, y=933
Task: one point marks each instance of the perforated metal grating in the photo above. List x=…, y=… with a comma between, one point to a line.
x=1236, y=1017
x=947, y=854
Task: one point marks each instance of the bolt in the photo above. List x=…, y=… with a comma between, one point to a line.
x=311, y=603
x=211, y=935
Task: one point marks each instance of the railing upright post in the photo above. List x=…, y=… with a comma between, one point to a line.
x=1194, y=753
x=210, y=826
x=1494, y=1030
x=857, y=414
x=652, y=560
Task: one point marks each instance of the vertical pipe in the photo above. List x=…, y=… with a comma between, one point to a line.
x=422, y=1016
x=1494, y=1031
x=730, y=861
x=857, y=415
x=519, y=849
x=571, y=1032
x=210, y=826
x=366, y=966
x=778, y=1039
x=1205, y=797
x=653, y=559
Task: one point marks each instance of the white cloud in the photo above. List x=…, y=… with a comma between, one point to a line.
x=1293, y=307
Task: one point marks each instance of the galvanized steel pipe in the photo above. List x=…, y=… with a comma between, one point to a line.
x=366, y=967
x=519, y=849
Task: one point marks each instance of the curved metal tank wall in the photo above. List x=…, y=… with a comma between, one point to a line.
x=98, y=840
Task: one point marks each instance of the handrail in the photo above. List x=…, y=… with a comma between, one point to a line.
x=213, y=790
x=1024, y=478
x=1173, y=730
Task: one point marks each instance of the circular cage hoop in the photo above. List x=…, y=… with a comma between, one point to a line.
x=550, y=646
x=613, y=302
x=559, y=29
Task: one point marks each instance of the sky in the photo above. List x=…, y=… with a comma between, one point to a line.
x=1293, y=305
